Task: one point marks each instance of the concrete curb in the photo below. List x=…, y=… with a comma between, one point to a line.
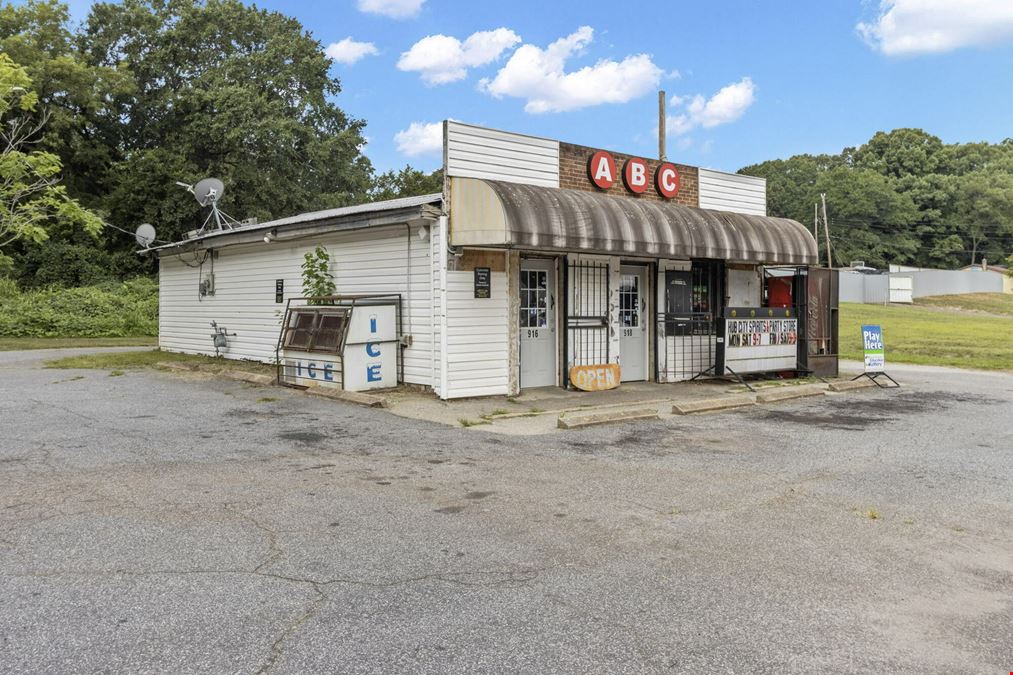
x=614, y=416
x=788, y=393
x=250, y=378
x=356, y=397
x=863, y=383
x=173, y=365
x=712, y=404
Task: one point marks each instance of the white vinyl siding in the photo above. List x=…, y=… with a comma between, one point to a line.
x=475, y=152
x=477, y=339
x=366, y=261
x=733, y=192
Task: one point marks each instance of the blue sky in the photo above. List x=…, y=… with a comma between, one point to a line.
x=747, y=80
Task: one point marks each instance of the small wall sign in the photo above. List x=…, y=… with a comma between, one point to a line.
x=279, y=290
x=483, y=282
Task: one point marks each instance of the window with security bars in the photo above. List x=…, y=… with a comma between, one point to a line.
x=534, y=298
x=629, y=300
x=316, y=330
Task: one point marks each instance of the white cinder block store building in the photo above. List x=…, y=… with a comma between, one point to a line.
x=539, y=256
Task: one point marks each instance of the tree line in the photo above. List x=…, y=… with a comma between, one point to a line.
x=904, y=197
x=144, y=93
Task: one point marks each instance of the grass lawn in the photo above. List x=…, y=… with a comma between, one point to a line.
x=992, y=303
x=932, y=335
x=8, y=344
x=148, y=359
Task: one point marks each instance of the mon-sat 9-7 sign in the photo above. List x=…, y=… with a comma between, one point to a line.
x=872, y=345
x=636, y=175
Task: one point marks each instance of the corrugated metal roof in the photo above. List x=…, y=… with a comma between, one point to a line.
x=540, y=217
x=314, y=216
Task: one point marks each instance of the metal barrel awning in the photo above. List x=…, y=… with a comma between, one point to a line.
x=500, y=214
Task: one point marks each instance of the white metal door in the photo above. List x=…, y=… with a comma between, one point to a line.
x=633, y=323
x=538, y=323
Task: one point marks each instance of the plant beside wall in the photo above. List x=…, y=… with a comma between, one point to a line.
x=109, y=309
x=317, y=280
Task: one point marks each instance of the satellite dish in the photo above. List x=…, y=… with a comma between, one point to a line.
x=144, y=235
x=208, y=191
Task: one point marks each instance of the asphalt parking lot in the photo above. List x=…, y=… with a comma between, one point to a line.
x=155, y=523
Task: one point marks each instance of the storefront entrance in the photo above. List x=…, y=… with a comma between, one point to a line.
x=633, y=293
x=538, y=323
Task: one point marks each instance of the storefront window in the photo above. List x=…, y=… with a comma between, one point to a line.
x=629, y=300
x=707, y=293
x=534, y=298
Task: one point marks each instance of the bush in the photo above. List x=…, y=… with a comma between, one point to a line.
x=109, y=309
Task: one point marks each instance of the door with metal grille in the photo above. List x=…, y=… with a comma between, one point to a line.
x=633, y=323
x=538, y=323
x=587, y=310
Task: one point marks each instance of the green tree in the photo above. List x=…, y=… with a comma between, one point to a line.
x=228, y=90
x=899, y=153
x=407, y=182
x=984, y=213
x=81, y=102
x=31, y=199
x=869, y=218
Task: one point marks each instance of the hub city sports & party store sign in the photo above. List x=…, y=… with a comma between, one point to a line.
x=756, y=340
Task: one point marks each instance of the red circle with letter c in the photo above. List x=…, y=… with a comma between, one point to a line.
x=601, y=169
x=666, y=180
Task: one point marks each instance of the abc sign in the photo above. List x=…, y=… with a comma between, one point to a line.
x=601, y=169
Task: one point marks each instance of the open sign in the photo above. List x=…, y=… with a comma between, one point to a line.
x=595, y=378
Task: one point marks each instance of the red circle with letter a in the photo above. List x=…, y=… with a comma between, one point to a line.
x=635, y=175
x=666, y=180
x=601, y=169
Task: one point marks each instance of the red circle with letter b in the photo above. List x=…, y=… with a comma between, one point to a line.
x=601, y=169
x=666, y=180
x=635, y=175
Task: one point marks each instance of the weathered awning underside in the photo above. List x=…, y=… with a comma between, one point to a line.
x=498, y=214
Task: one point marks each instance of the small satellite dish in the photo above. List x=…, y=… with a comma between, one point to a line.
x=144, y=235
x=208, y=191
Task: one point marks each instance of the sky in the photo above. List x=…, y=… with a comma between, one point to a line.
x=745, y=80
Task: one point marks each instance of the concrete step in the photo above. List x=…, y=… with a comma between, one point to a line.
x=789, y=392
x=862, y=383
x=712, y=404
x=356, y=397
x=605, y=417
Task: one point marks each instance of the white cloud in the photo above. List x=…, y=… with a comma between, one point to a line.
x=395, y=9
x=728, y=105
x=420, y=138
x=539, y=75
x=348, y=51
x=442, y=58
x=929, y=26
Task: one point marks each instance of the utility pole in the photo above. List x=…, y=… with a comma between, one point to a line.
x=816, y=231
x=661, y=126
x=826, y=231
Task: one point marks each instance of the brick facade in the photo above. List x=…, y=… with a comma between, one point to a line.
x=573, y=175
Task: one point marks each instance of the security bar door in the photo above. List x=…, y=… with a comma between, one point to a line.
x=633, y=323
x=538, y=323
